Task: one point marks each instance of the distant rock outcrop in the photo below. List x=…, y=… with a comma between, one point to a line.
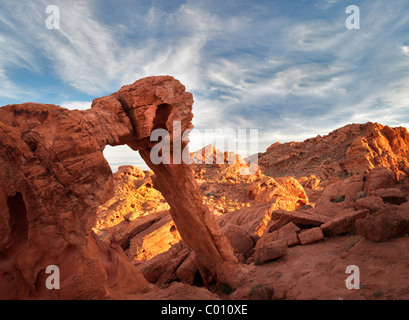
x=352, y=149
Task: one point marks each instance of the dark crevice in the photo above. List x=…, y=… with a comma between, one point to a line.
x=198, y=280
x=162, y=114
x=338, y=199
x=18, y=218
x=394, y=200
x=126, y=109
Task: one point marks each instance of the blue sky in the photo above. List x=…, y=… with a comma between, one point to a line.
x=291, y=69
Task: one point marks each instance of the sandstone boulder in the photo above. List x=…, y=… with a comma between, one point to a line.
x=372, y=203
x=307, y=217
x=270, y=250
x=379, y=178
x=251, y=219
x=343, y=223
x=288, y=232
x=310, y=235
x=391, y=195
x=388, y=223
x=188, y=272
x=122, y=233
x=345, y=191
x=239, y=239
x=267, y=189
x=155, y=239
x=162, y=269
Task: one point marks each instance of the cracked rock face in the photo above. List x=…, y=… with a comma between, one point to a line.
x=54, y=176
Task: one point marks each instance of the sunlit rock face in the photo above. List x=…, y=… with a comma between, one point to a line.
x=352, y=149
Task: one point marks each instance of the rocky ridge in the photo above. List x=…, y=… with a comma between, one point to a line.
x=352, y=149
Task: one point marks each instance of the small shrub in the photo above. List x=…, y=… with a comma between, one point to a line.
x=253, y=288
x=351, y=240
x=378, y=294
x=257, y=261
x=226, y=289
x=361, y=195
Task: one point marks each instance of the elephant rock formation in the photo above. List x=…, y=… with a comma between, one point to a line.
x=54, y=176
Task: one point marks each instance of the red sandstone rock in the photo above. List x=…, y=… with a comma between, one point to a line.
x=155, y=239
x=53, y=179
x=187, y=271
x=239, y=239
x=279, y=218
x=270, y=250
x=346, y=191
x=310, y=235
x=178, y=291
x=122, y=233
x=311, y=182
x=55, y=176
x=391, y=195
x=134, y=197
x=284, y=193
x=388, y=223
x=163, y=266
x=318, y=271
x=288, y=233
x=344, y=222
x=355, y=148
x=267, y=189
x=372, y=203
x=209, y=155
x=379, y=178
x=262, y=292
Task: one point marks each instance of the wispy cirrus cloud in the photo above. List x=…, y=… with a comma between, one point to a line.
x=292, y=70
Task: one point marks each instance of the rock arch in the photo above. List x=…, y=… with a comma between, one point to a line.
x=53, y=163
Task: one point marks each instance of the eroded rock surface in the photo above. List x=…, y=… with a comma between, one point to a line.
x=352, y=149
x=54, y=177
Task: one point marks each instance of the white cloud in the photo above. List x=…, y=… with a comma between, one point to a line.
x=181, y=60
x=315, y=35
x=76, y=105
x=326, y=4
x=92, y=57
x=123, y=155
x=8, y=89
x=245, y=72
